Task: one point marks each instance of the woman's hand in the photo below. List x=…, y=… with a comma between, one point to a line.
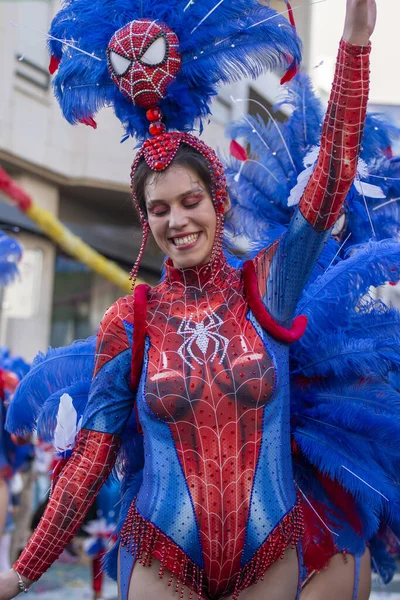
x=360, y=21
x=9, y=587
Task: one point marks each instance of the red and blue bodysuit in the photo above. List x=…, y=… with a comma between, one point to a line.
x=217, y=504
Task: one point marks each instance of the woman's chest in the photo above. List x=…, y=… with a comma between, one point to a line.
x=206, y=359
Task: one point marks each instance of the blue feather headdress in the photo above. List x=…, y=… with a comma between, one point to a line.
x=219, y=41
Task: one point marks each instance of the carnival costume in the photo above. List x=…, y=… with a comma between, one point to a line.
x=193, y=375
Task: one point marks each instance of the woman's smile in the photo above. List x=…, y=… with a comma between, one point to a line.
x=186, y=241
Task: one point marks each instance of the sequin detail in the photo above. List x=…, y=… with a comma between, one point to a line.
x=145, y=541
x=144, y=83
x=342, y=132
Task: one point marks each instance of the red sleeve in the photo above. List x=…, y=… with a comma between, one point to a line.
x=79, y=482
x=342, y=132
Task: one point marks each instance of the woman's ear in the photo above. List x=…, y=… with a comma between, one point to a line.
x=227, y=204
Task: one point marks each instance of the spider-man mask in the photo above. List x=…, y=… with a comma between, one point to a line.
x=143, y=59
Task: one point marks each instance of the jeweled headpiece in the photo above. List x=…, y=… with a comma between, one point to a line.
x=159, y=64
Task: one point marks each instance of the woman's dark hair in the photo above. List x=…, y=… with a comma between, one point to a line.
x=185, y=157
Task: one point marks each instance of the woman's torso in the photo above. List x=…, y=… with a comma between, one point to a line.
x=217, y=476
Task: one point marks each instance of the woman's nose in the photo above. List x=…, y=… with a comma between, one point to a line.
x=177, y=218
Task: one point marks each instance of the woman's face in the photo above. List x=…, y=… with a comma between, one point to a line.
x=181, y=216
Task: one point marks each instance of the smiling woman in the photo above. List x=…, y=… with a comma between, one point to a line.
x=179, y=207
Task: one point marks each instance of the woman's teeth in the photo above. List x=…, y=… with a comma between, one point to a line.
x=183, y=241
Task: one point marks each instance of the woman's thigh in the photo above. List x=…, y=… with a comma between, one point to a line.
x=337, y=581
x=280, y=583
x=146, y=584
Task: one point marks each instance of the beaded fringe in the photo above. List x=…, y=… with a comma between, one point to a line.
x=144, y=541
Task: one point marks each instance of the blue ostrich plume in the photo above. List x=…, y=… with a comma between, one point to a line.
x=260, y=187
x=55, y=371
x=219, y=41
x=10, y=255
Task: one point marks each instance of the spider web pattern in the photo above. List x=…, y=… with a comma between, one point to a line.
x=111, y=337
x=342, y=132
x=212, y=395
x=144, y=84
x=79, y=482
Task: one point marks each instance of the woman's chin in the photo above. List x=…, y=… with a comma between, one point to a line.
x=190, y=261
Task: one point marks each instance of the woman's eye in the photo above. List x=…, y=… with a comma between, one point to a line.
x=192, y=202
x=158, y=211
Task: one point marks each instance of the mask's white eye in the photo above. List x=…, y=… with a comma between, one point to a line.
x=155, y=54
x=119, y=64
x=339, y=225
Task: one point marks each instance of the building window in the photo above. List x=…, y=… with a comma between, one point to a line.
x=80, y=300
x=31, y=60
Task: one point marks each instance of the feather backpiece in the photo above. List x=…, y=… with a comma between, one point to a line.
x=345, y=405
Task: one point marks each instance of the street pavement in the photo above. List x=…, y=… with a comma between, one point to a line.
x=66, y=581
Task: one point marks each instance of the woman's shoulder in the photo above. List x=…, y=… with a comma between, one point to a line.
x=121, y=310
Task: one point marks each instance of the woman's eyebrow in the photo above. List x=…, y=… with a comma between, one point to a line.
x=180, y=197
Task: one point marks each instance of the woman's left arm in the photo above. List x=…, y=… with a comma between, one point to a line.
x=295, y=256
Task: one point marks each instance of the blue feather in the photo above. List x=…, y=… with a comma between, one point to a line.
x=372, y=264
x=47, y=419
x=381, y=561
x=303, y=129
x=10, y=255
x=56, y=370
x=340, y=355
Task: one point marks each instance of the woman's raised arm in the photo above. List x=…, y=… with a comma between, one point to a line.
x=293, y=259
